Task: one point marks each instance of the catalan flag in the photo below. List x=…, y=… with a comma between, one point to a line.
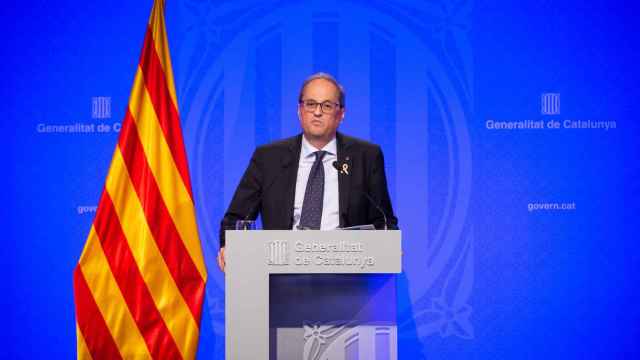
x=139, y=284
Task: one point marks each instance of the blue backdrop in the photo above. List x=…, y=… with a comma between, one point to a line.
x=509, y=130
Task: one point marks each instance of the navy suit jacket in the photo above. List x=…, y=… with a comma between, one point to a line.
x=268, y=186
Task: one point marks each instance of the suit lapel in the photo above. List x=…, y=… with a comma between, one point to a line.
x=345, y=162
x=290, y=166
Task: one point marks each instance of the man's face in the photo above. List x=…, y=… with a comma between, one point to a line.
x=319, y=124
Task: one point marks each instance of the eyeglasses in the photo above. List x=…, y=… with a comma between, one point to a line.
x=327, y=107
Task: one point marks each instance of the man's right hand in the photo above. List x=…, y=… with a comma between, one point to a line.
x=221, y=263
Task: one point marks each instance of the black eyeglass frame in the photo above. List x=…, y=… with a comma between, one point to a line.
x=313, y=105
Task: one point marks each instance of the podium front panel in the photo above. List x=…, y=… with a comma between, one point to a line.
x=252, y=256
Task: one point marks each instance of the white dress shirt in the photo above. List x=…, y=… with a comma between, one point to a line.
x=330, y=200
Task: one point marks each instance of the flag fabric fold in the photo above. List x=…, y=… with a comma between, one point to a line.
x=140, y=281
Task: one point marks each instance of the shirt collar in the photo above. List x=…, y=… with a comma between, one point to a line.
x=308, y=149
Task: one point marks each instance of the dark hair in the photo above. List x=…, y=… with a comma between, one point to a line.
x=329, y=78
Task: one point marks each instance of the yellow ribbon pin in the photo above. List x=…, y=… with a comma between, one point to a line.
x=345, y=168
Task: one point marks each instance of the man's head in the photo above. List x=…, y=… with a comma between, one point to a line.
x=320, y=108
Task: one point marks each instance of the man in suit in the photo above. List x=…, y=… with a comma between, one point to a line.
x=320, y=179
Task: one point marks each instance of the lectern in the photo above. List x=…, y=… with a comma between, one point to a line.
x=297, y=294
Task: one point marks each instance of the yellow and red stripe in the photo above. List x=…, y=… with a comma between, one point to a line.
x=140, y=281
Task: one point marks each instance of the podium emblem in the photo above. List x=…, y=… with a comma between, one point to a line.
x=277, y=253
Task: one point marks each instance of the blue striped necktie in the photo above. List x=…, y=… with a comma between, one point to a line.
x=312, y=205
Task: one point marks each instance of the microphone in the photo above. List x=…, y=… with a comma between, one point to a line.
x=225, y=225
x=384, y=216
x=252, y=209
x=336, y=165
x=285, y=163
